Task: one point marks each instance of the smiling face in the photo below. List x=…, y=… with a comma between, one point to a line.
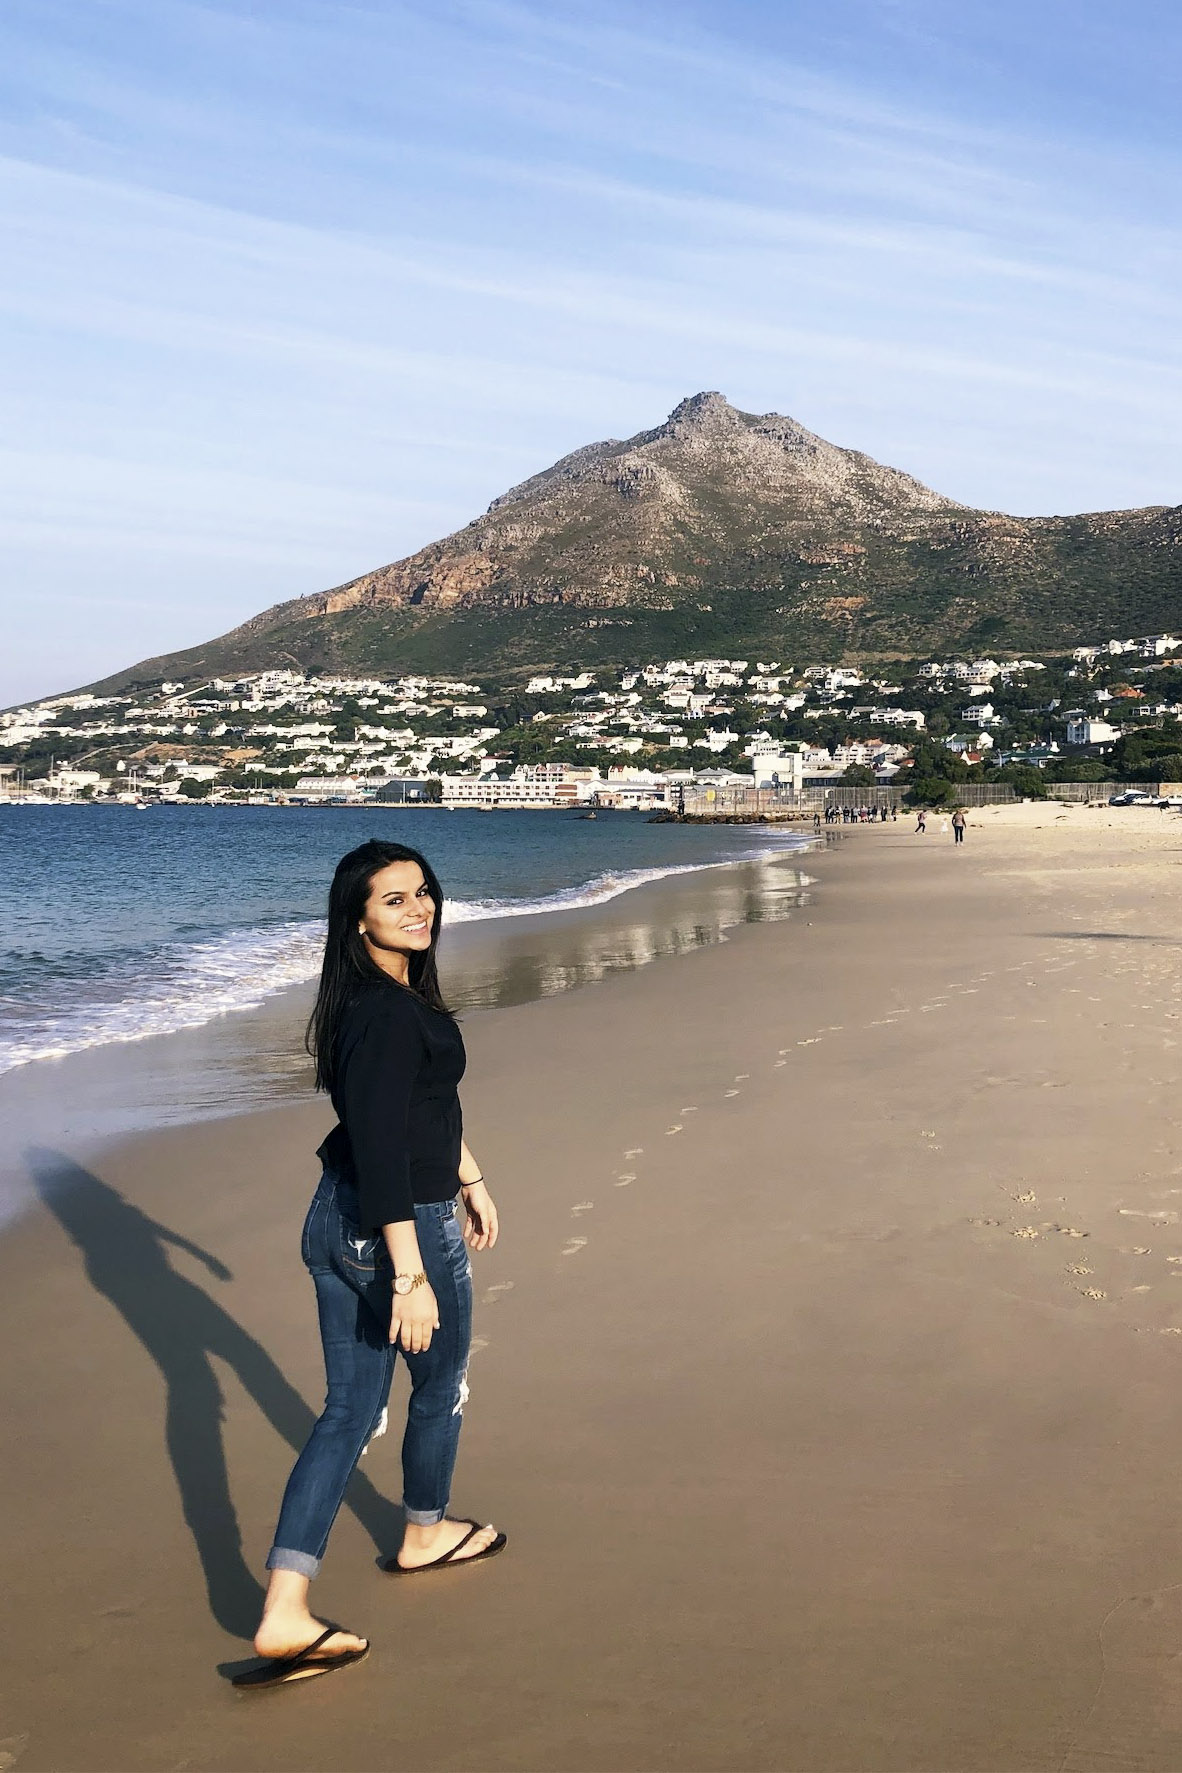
x=398, y=917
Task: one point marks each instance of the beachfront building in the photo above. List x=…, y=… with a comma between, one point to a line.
x=319, y=790
x=640, y=790
x=779, y=769
x=537, y=785
x=403, y=790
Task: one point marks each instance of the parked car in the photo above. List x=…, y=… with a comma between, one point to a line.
x=1172, y=802
x=1132, y=797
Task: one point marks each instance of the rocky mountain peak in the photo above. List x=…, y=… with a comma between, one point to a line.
x=704, y=409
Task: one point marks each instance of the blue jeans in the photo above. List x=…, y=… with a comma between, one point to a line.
x=353, y=1277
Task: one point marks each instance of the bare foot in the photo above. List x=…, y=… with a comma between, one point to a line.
x=422, y=1545
x=284, y=1633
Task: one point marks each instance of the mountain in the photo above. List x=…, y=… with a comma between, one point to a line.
x=720, y=532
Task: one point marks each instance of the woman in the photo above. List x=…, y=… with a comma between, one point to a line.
x=384, y=1248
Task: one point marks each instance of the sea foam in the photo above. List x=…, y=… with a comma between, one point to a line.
x=184, y=985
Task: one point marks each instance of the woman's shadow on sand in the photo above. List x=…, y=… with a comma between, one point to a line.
x=181, y=1326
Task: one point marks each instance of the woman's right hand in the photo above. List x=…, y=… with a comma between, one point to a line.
x=413, y=1317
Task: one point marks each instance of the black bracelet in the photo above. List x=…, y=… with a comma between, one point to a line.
x=473, y=1183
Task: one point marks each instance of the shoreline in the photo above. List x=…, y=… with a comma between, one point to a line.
x=824, y=1377
x=244, y=1061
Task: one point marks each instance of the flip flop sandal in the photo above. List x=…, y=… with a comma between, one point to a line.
x=303, y=1666
x=392, y=1567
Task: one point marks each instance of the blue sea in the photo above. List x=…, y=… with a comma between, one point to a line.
x=118, y=923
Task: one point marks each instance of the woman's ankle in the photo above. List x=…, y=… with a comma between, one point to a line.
x=423, y=1534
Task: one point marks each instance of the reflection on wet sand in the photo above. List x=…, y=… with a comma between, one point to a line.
x=489, y=966
x=245, y=1060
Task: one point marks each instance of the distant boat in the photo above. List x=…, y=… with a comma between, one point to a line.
x=588, y=815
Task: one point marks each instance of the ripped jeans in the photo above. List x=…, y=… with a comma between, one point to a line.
x=353, y=1277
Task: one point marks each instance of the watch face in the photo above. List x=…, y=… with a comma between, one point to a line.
x=402, y=1283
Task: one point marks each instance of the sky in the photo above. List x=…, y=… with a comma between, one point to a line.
x=291, y=288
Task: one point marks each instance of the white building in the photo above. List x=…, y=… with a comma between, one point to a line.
x=537, y=785
x=1091, y=732
x=636, y=789
x=327, y=788
x=550, y=686
x=787, y=767
x=898, y=717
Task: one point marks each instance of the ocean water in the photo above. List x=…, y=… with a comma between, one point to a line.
x=118, y=924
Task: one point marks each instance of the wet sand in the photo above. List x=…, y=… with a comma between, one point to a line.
x=826, y=1378
x=233, y=1062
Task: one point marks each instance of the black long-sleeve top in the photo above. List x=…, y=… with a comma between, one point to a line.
x=398, y=1063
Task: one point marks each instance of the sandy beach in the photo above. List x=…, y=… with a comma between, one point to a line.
x=826, y=1377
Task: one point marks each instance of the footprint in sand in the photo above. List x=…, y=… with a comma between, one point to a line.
x=1136, y=1714
x=692, y=1109
x=625, y=1177
x=477, y=1343
x=730, y=1092
x=984, y=1221
x=1079, y=1268
x=583, y=1206
x=814, y=1040
x=1135, y=1249
x=676, y=1128
x=1091, y=1293
x=573, y=1246
x=1027, y=1231
x=779, y=1064
x=11, y=1750
x=493, y=1293
x=636, y=1151
x=741, y=1077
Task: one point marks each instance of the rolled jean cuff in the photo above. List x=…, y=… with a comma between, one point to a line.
x=281, y=1557
x=424, y=1517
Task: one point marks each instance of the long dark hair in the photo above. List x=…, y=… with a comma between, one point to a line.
x=348, y=965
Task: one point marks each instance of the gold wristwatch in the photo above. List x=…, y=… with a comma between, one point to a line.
x=406, y=1283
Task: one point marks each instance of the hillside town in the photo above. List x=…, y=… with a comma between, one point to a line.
x=644, y=737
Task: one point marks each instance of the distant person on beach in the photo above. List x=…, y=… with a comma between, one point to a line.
x=384, y=1247
x=958, y=824
x=921, y=821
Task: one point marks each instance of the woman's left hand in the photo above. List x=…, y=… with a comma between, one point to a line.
x=481, y=1225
